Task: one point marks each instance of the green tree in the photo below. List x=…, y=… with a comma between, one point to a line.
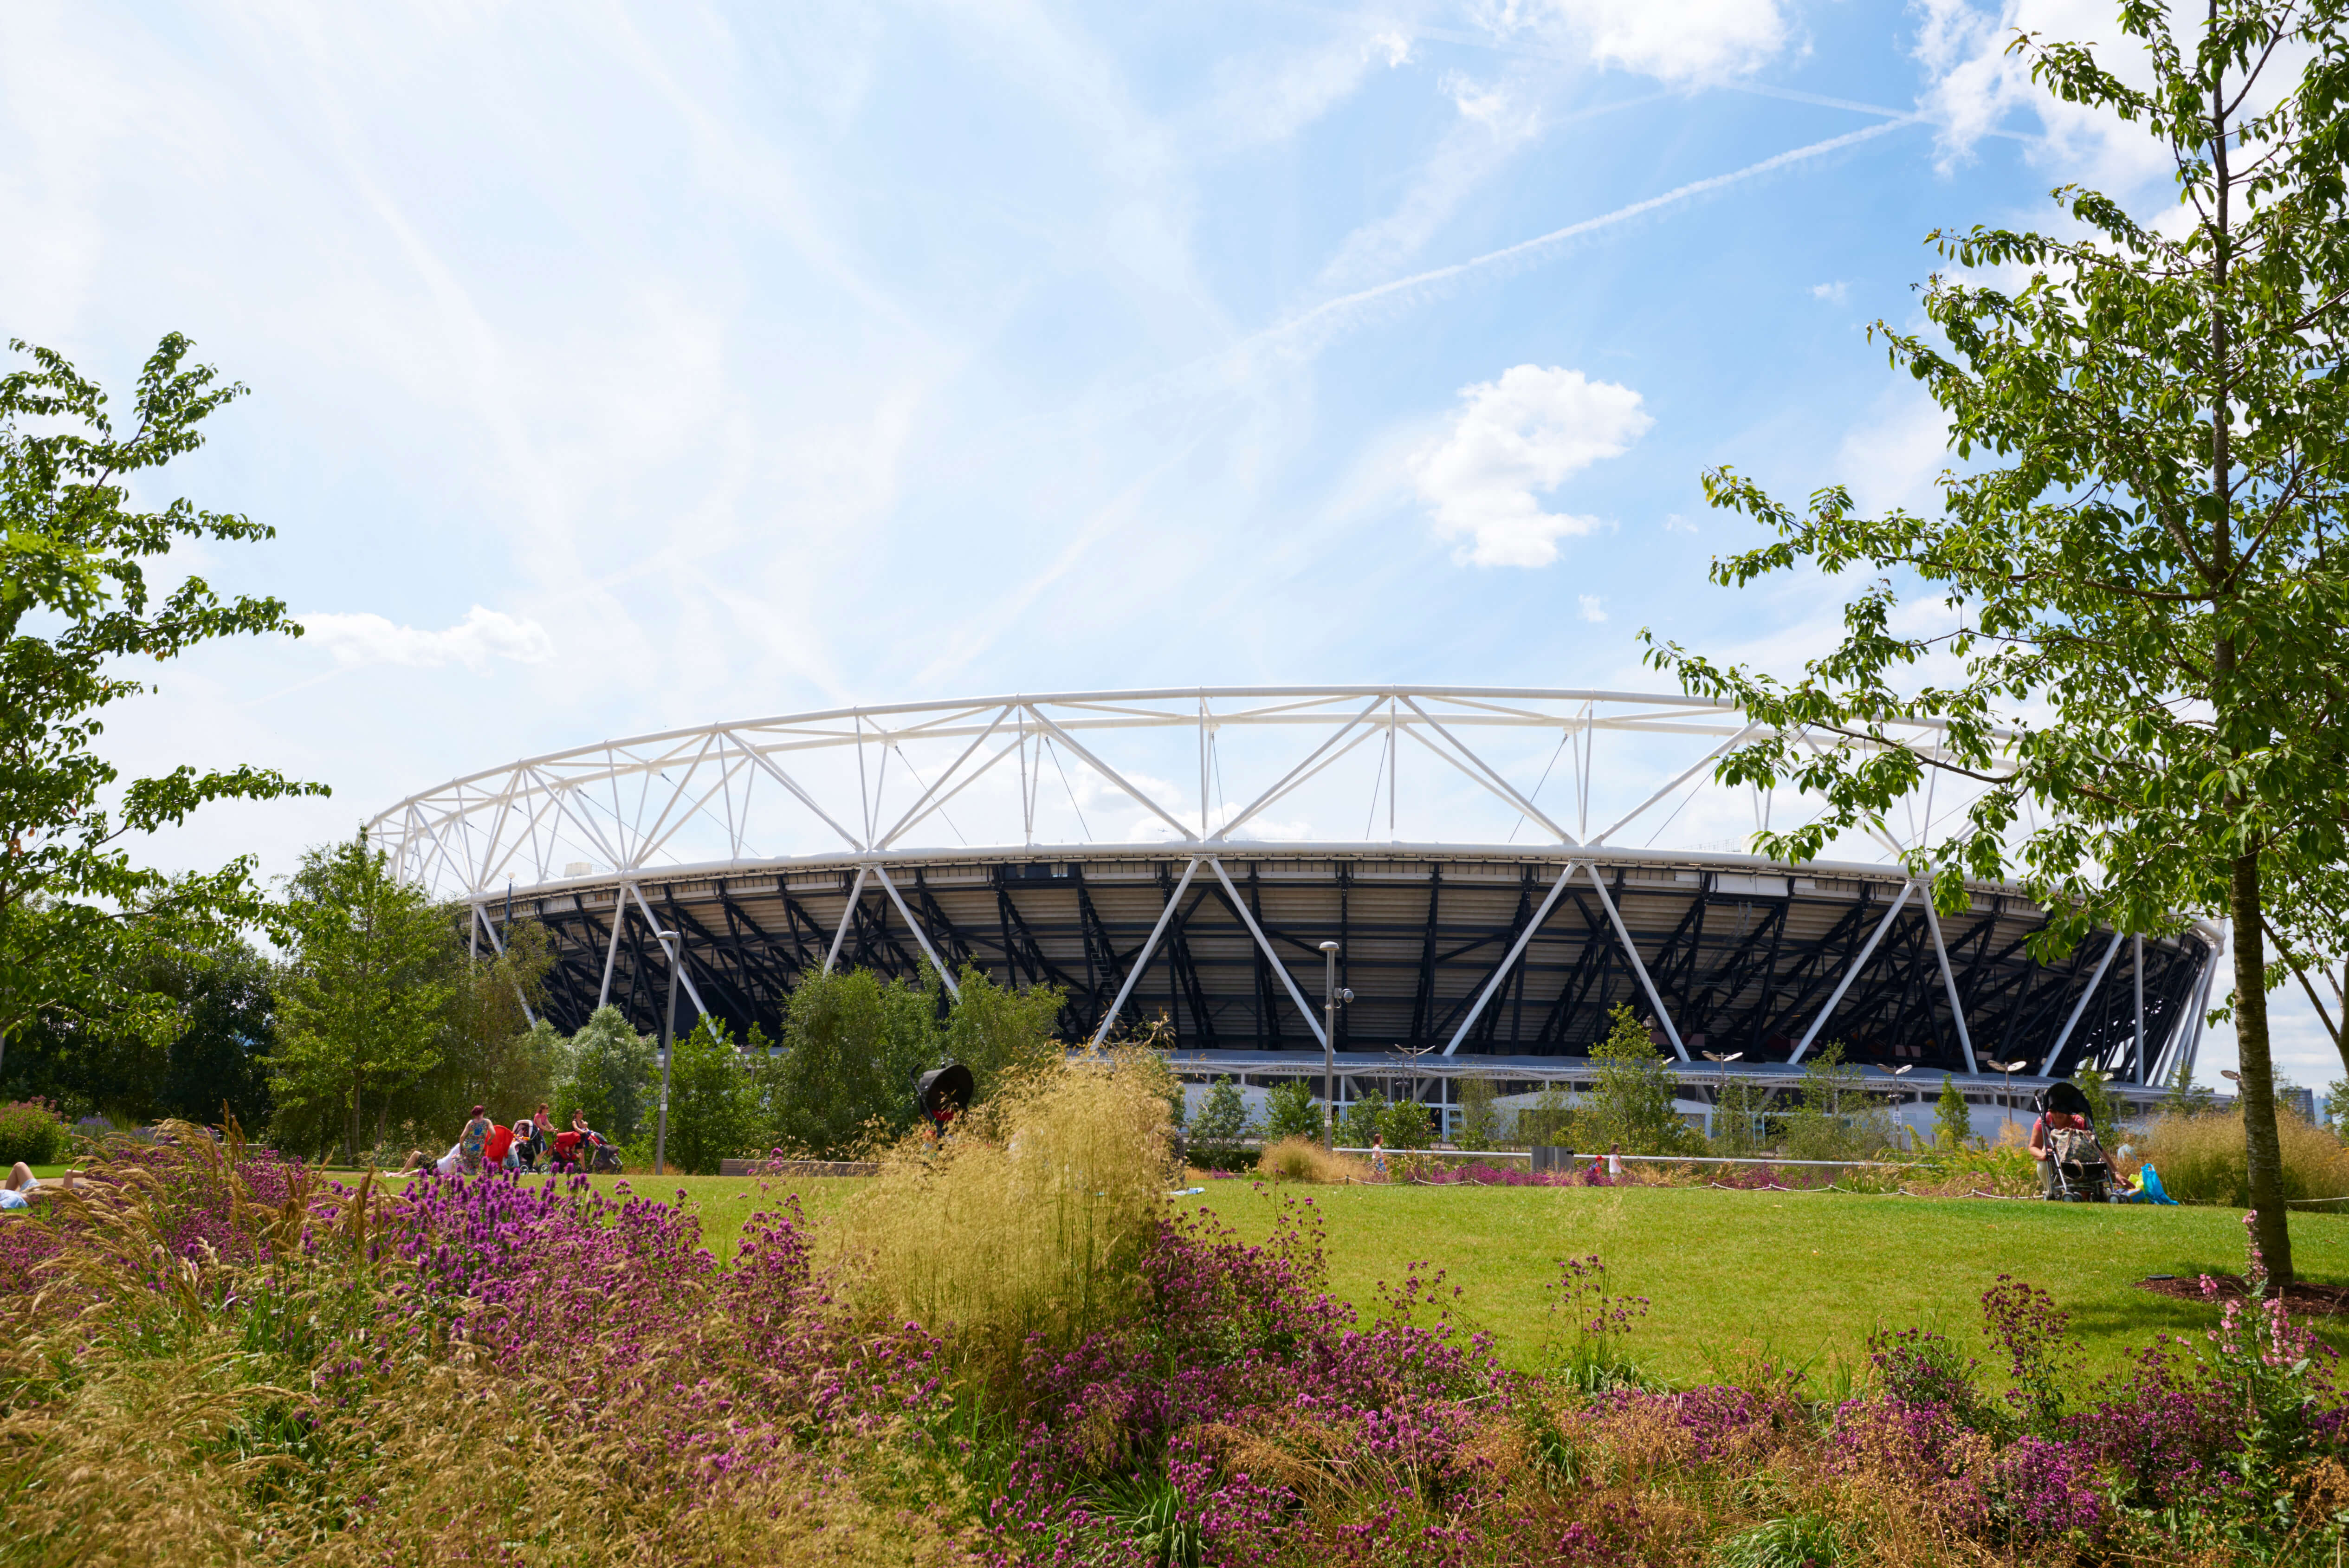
x=1222, y=1122
x=2187, y=1097
x=1290, y=1110
x=611, y=1073
x=1407, y=1124
x=1632, y=1101
x=1741, y=1120
x=1480, y=1113
x=2103, y=1111
x=362, y=1002
x=1364, y=1118
x=713, y=1106
x=853, y=1045
x=491, y=1052
x=1835, y=1116
x=1551, y=1119
x=1953, y=1120
x=2336, y=1106
x=997, y=1032
x=76, y=606
x=2143, y=574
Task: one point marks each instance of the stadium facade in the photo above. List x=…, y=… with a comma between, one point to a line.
x=1500, y=867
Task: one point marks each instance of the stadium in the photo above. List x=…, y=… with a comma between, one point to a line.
x=1499, y=868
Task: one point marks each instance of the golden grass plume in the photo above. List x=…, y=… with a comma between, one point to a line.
x=1030, y=1219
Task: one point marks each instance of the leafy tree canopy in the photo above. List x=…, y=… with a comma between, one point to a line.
x=76, y=612
x=2143, y=569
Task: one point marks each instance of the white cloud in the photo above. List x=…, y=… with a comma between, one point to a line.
x=1676, y=523
x=1493, y=105
x=1833, y=293
x=1975, y=85
x=1516, y=437
x=1673, y=40
x=481, y=636
x=1594, y=609
x=1395, y=47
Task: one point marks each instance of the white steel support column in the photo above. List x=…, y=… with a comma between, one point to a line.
x=2081, y=1006
x=612, y=950
x=848, y=914
x=1632, y=951
x=1866, y=952
x=1501, y=974
x=481, y=923
x=677, y=958
x=2137, y=955
x=1142, y=958
x=919, y=935
x=1278, y=968
x=1949, y=980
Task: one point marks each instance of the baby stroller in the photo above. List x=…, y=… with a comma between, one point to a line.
x=602, y=1156
x=2083, y=1173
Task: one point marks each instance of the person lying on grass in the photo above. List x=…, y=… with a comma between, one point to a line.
x=22, y=1187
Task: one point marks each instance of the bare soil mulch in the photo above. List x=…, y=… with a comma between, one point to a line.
x=2315, y=1300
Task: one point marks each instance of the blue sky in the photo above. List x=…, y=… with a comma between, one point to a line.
x=619, y=367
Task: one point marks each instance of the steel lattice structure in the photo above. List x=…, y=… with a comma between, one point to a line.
x=1183, y=853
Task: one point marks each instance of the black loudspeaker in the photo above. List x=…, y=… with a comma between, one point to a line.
x=944, y=1092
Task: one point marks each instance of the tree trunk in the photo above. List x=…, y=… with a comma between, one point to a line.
x=2263, y=1152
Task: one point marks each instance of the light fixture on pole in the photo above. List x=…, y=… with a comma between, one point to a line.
x=1720, y=1079
x=2006, y=1096
x=1328, y=1045
x=668, y=1043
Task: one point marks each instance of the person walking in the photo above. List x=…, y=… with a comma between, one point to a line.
x=1379, y=1155
x=1615, y=1162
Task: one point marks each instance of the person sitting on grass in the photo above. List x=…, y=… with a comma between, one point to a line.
x=447, y=1165
x=22, y=1187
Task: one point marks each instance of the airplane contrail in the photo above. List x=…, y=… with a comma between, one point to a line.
x=1527, y=248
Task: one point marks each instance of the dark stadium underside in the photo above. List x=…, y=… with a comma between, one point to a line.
x=1744, y=959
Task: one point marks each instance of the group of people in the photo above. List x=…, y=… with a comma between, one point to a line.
x=531, y=1145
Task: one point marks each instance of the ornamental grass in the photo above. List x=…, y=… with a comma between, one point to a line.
x=1016, y=1354
x=2200, y=1159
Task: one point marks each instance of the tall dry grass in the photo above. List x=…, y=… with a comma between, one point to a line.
x=1302, y=1159
x=2200, y=1159
x=1030, y=1219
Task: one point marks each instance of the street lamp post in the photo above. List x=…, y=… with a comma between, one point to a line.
x=668, y=1043
x=1328, y=1045
x=1721, y=1080
x=1899, y=1072
x=2006, y=1096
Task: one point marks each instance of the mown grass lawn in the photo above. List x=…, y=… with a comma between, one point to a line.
x=1802, y=1277
x=1796, y=1275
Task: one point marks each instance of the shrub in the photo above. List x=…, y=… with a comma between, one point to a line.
x=1481, y=1123
x=1290, y=1110
x=1220, y=1125
x=2200, y=1159
x=1304, y=1159
x=1406, y=1124
x=30, y=1131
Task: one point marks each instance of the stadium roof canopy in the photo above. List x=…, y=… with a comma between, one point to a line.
x=1501, y=867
